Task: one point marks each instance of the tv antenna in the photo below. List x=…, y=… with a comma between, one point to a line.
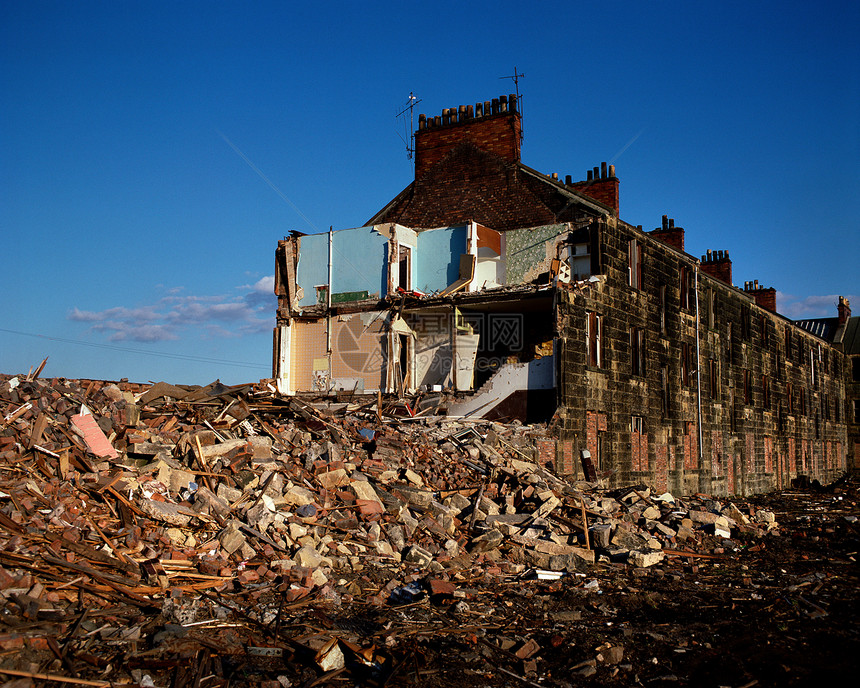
x=409, y=124
x=516, y=76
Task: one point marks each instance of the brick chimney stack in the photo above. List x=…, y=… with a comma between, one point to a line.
x=718, y=264
x=493, y=126
x=844, y=310
x=669, y=234
x=764, y=296
x=601, y=184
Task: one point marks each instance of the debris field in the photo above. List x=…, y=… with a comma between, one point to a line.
x=171, y=536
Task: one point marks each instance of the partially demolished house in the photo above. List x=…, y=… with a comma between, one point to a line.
x=522, y=296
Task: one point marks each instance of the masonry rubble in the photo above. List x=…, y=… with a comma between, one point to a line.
x=171, y=499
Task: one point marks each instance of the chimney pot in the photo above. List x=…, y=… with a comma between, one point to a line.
x=756, y=284
x=495, y=105
x=612, y=170
x=709, y=254
x=590, y=175
x=671, y=223
x=512, y=100
x=469, y=112
x=568, y=180
x=603, y=170
x=503, y=103
x=665, y=222
x=555, y=176
x=597, y=173
x=479, y=109
x=422, y=121
x=488, y=108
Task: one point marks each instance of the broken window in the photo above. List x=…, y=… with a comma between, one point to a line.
x=685, y=363
x=594, y=339
x=637, y=351
x=579, y=258
x=637, y=423
x=634, y=263
x=714, y=379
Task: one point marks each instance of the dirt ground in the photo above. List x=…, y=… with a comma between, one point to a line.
x=777, y=610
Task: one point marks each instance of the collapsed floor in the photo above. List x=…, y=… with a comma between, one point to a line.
x=217, y=536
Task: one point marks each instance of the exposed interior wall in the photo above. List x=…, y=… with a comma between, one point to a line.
x=357, y=361
x=438, y=258
x=528, y=252
x=358, y=351
x=307, y=354
x=358, y=263
x=488, y=246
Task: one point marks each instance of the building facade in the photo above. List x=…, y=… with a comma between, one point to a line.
x=524, y=296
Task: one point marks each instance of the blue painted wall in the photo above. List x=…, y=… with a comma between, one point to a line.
x=358, y=258
x=439, y=253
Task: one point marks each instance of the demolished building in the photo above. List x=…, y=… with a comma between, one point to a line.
x=526, y=297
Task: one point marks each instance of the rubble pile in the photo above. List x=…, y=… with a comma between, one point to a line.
x=168, y=535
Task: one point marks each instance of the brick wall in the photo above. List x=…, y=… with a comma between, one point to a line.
x=747, y=345
x=497, y=134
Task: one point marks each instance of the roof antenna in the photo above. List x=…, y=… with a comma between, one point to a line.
x=409, y=124
x=516, y=78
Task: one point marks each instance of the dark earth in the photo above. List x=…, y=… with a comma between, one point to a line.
x=772, y=610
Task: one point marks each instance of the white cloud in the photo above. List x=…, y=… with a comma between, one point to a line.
x=813, y=306
x=175, y=314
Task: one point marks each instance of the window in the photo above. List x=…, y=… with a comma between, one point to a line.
x=637, y=424
x=765, y=392
x=594, y=339
x=789, y=398
x=714, y=379
x=856, y=403
x=746, y=325
x=711, y=306
x=765, y=332
x=404, y=267
x=685, y=363
x=634, y=263
x=788, y=342
x=747, y=387
x=730, y=343
x=684, y=287
x=662, y=309
x=637, y=351
x=855, y=368
x=801, y=402
x=664, y=391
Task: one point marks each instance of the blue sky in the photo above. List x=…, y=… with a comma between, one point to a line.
x=151, y=154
